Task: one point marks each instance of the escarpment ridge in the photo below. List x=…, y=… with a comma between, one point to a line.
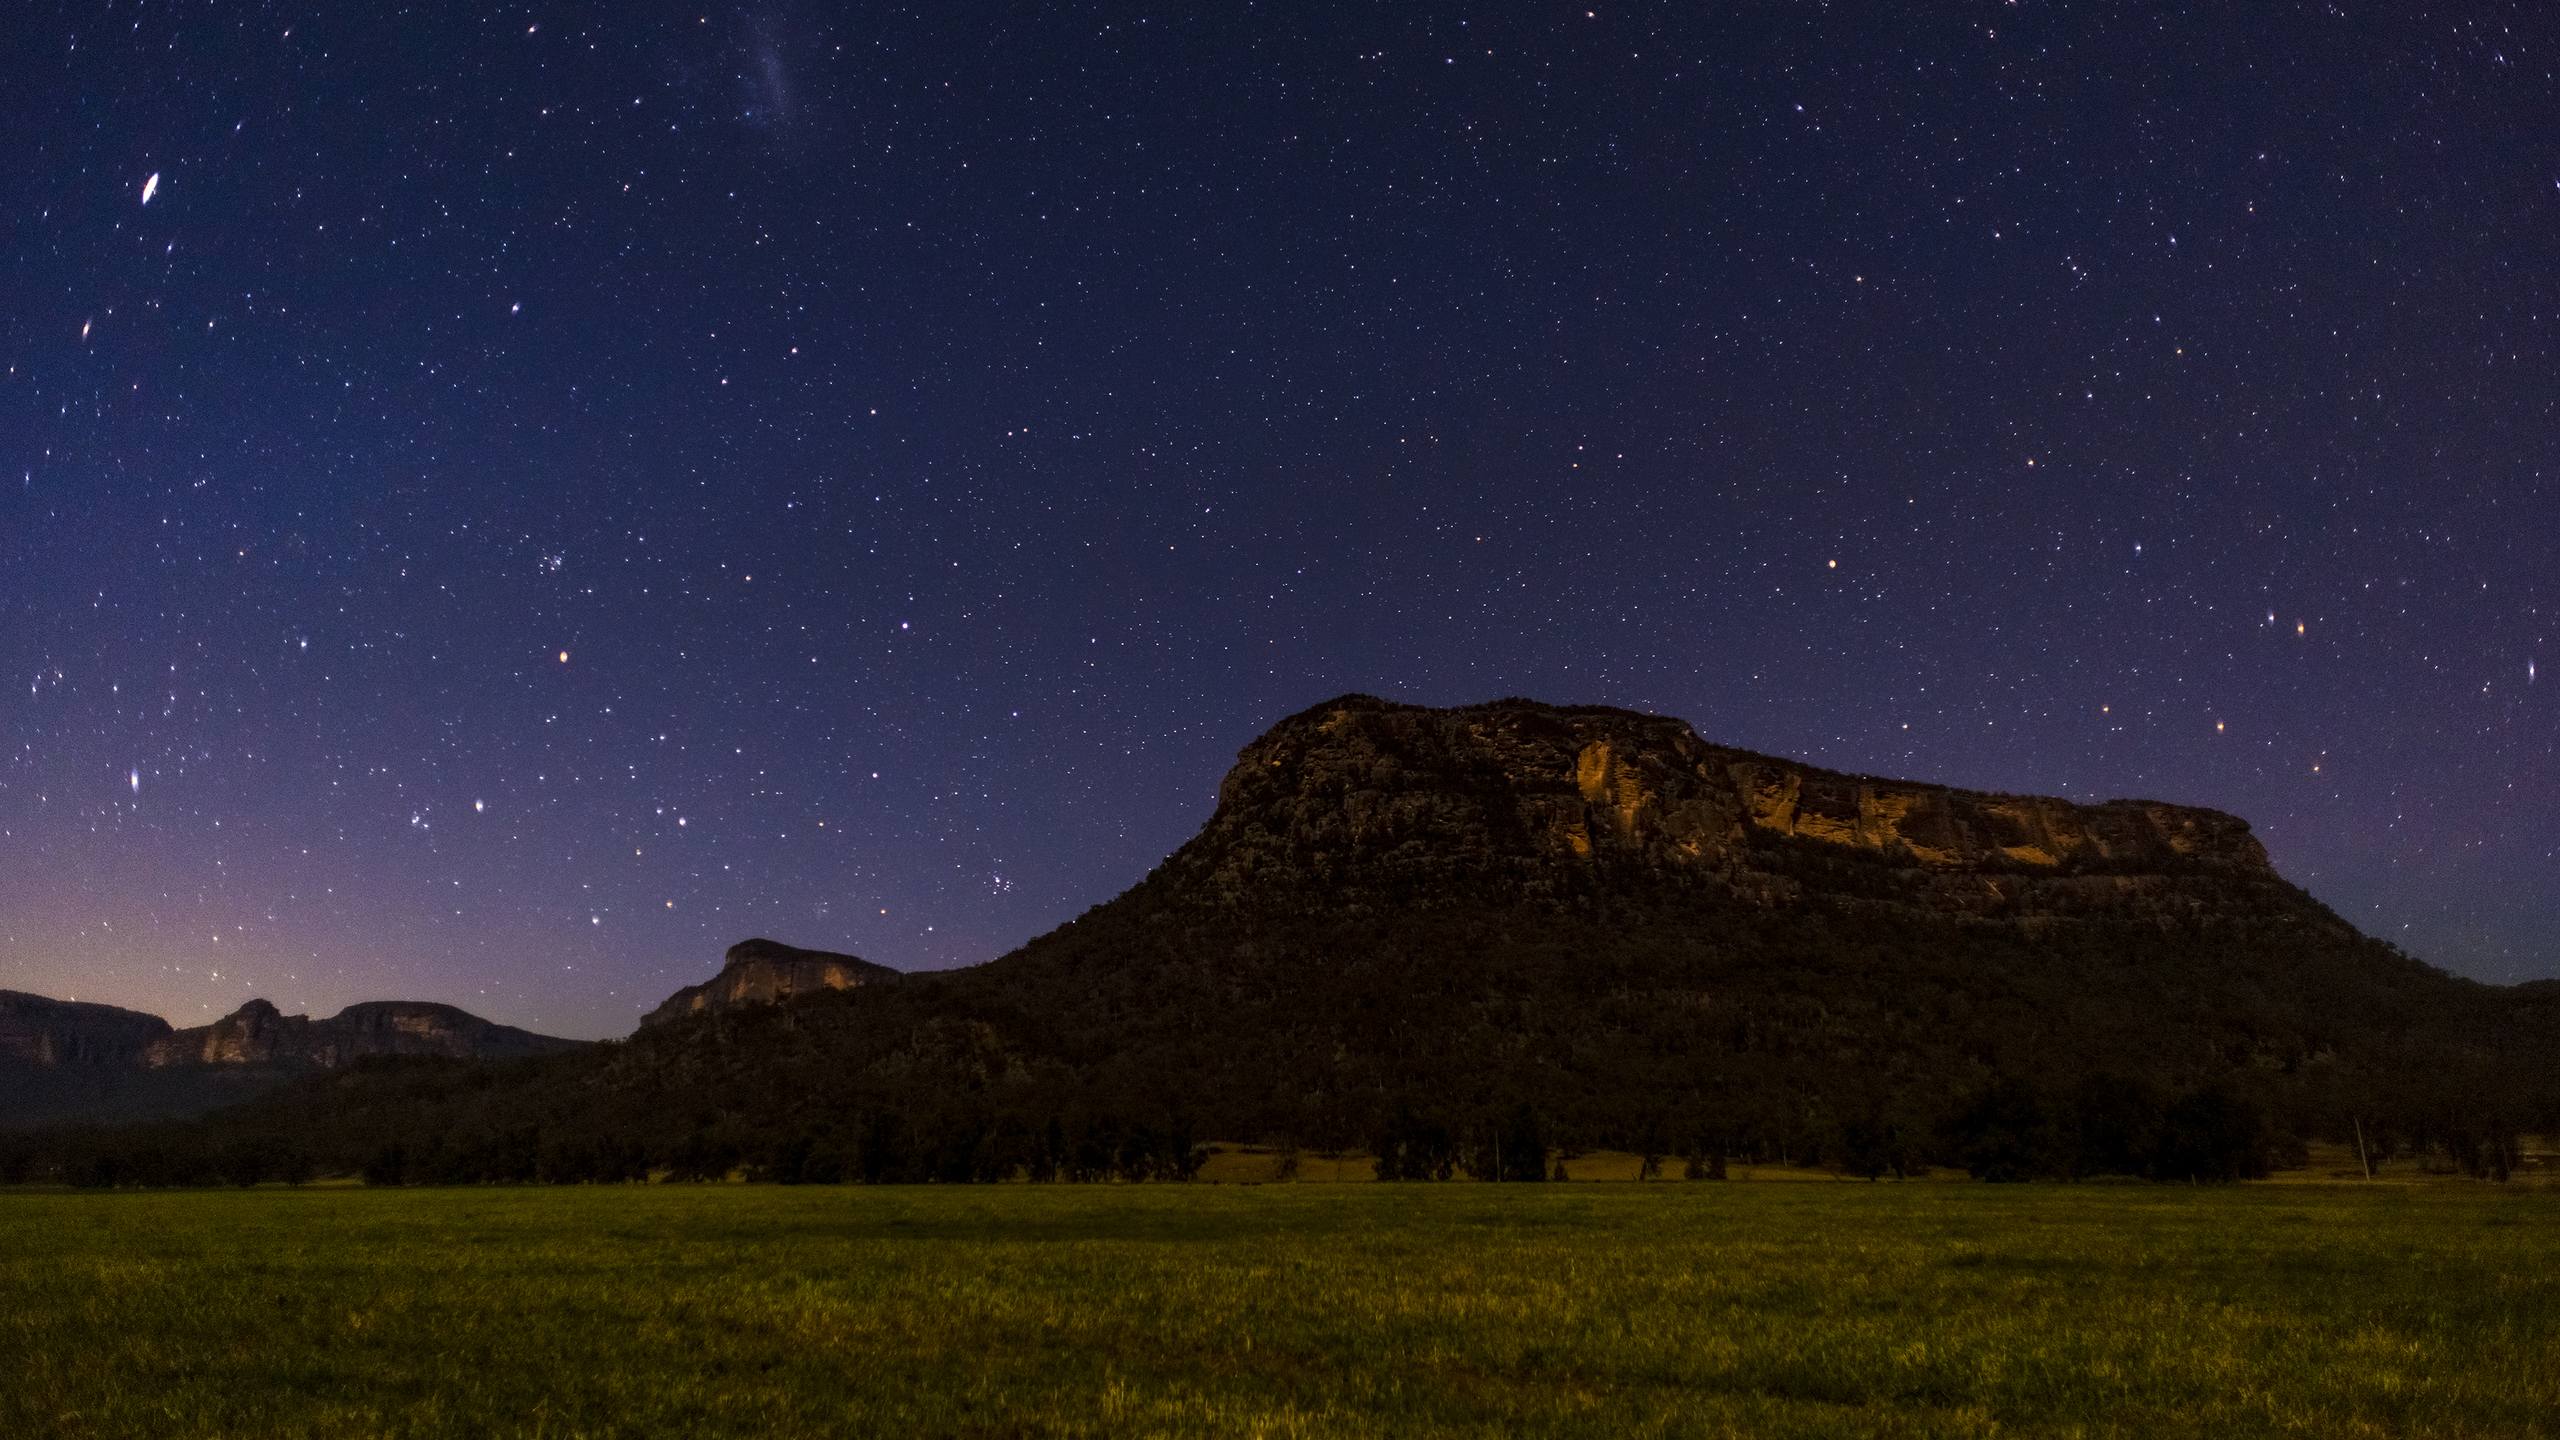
x=1376, y=802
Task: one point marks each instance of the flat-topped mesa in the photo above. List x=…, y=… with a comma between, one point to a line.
x=762, y=972
x=258, y=1034
x=1535, y=800
x=422, y=1027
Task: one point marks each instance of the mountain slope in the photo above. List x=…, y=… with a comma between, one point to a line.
x=1599, y=913
x=1445, y=917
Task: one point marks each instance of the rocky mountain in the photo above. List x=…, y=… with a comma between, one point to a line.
x=258, y=1034
x=762, y=972
x=36, y=1031
x=1439, y=921
x=61, y=1060
x=1369, y=802
x=1602, y=915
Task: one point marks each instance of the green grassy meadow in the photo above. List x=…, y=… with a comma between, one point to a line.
x=1655, y=1309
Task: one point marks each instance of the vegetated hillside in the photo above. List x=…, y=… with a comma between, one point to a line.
x=1432, y=929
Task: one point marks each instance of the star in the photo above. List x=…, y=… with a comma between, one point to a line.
x=945, y=452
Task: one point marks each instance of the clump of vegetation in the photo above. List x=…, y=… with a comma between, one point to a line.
x=2010, y=1128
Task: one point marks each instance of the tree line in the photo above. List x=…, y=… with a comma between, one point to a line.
x=2008, y=1129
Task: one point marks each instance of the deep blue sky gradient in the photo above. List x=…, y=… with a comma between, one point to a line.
x=939, y=437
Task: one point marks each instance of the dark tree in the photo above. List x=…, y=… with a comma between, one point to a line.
x=1650, y=1145
x=388, y=1165
x=2115, y=1126
x=1412, y=1148
x=245, y=1162
x=2212, y=1134
x=2004, y=1133
x=700, y=1157
x=1048, y=1153
x=1519, y=1150
x=1879, y=1139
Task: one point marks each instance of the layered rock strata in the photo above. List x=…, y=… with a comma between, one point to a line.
x=1363, y=797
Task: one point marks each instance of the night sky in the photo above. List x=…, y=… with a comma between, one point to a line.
x=502, y=503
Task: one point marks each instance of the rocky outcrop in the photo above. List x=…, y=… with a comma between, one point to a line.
x=258, y=1034
x=761, y=972
x=38, y=1031
x=1363, y=799
x=254, y=1034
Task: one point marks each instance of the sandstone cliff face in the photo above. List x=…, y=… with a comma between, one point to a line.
x=761, y=972
x=1396, y=802
x=38, y=1031
x=257, y=1034
x=254, y=1034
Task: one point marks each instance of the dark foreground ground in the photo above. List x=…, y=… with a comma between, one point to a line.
x=1687, y=1309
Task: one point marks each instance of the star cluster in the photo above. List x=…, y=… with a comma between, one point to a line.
x=501, y=503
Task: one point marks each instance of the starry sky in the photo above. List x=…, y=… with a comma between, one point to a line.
x=503, y=502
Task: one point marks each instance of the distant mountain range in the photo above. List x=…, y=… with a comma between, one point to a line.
x=1403, y=920
x=66, y=1060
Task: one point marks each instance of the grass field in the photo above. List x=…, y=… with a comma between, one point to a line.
x=1673, y=1309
